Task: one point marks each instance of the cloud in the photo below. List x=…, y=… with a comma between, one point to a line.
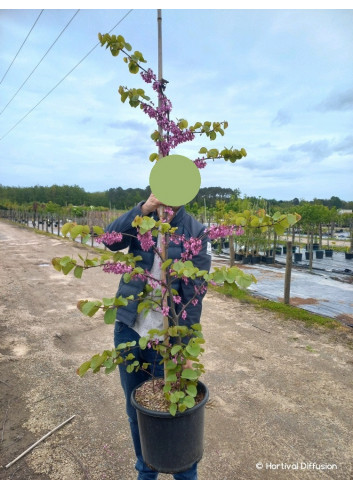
x=337, y=101
x=323, y=148
x=282, y=118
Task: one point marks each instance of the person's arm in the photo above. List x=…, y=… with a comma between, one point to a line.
x=123, y=223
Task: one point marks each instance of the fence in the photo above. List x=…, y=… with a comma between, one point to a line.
x=52, y=223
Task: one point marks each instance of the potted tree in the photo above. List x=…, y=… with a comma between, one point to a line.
x=180, y=395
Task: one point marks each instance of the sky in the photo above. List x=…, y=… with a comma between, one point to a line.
x=281, y=78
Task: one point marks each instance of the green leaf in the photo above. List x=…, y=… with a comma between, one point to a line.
x=97, y=360
x=171, y=377
x=166, y=264
x=56, y=264
x=75, y=231
x=173, y=409
x=191, y=390
x=170, y=365
x=90, y=308
x=133, y=68
x=78, y=271
x=189, y=401
x=175, y=349
x=153, y=156
x=67, y=268
x=143, y=342
x=98, y=230
x=193, y=350
x=110, y=316
x=84, y=368
x=66, y=228
x=189, y=374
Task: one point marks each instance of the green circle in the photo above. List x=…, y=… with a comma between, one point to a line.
x=175, y=180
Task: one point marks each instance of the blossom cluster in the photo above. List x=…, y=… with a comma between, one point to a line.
x=200, y=162
x=174, y=135
x=117, y=268
x=148, y=76
x=192, y=247
x=146, y=240
x=109, y=238
x=222, y=231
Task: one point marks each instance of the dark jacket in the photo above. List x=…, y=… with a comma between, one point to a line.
x=189, y=227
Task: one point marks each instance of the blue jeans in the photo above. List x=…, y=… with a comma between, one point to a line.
x=129, y=381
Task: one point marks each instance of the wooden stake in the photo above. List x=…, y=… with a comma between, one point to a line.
x=37, y=442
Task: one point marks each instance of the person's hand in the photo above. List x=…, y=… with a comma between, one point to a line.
x=151, y=204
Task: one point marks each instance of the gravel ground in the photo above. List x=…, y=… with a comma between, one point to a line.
x=281, y=395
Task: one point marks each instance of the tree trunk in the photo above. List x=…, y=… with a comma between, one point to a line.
x=288, y=272
x=231, y=250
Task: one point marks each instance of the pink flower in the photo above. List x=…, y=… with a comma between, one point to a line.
x=117, y=268
x=219, y=231
x=146, y=240
x=192, y=247
x=165, y=310
x=200, y=162
x=109, y=238
x=177, y=299
x=184, y=314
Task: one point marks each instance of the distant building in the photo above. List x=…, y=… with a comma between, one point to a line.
x=345, y=211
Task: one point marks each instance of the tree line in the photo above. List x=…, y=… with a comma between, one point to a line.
x=122, y=199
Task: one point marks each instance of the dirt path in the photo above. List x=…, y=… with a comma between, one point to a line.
x=281, y=395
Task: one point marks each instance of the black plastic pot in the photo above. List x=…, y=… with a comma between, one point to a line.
x=246, y=259
x=329, y=253
x=172, y=444
x=307, y=255
x=255, y=259
x=298, y=256
x=238, y=256
x=349, y=256
x=319, y=254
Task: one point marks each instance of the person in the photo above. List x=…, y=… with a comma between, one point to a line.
x=130, y=325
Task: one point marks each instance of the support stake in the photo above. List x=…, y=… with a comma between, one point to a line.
x=37, y=442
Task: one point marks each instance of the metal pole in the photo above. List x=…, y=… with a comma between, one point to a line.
x=161, y=210
x=160, y=59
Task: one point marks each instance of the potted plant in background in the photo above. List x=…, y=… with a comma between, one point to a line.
x=181, y=395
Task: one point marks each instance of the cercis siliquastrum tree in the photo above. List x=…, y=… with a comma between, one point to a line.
x=179, y=345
